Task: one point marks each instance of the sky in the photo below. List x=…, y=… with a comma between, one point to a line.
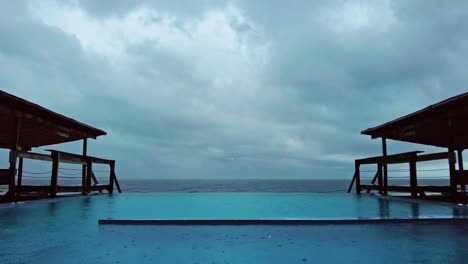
x=234, y=89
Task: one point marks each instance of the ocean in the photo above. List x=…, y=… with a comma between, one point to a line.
x=209, y=185
x=259, y=185
x=231, y=185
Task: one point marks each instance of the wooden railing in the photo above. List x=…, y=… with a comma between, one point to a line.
x=57, y=157
x=457, y=177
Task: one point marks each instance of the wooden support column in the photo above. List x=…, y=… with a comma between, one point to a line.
x=358, y=177
x=413, y=177
x=385, y=169
x=11, y=176
x=83, y=169
x=453, y=181
x=17, y=133
x=460, y=168
x=20, y=173
x=16, y=146
x=379, y=178
x=54, y=178
x=89, y=172
x=111, y=177
x=452, y=161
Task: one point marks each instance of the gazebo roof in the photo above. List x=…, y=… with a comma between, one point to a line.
x=444, y=124
x=31, y=125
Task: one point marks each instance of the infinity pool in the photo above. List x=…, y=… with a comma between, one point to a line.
x=66, y=230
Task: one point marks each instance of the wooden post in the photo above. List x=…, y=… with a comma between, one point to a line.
x=83, y=169
x=460, y=167
x=17, y=133
x=20, y=173
x=11, y=176
x=385, y=169
x=358, y=177
x=379, y=178
x=54, y=178
x=89, y=172
x=452, y=161
x=111, y=176
x=413, y=177
x=12, y=159
x=453, y=181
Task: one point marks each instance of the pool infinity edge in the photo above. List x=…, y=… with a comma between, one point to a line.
x=240, y=222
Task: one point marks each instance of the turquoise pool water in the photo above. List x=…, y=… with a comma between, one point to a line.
x=269, y=206
x=66, y=230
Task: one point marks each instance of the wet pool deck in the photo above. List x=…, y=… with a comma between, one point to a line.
x=67, y=230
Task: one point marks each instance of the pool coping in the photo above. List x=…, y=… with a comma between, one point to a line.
x=292, y=222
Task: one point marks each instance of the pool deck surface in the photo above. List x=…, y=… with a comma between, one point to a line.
x=67, y=231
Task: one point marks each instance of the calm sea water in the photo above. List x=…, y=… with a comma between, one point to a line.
x=205, y=185
x=278, y=186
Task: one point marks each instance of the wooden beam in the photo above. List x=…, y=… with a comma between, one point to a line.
x=68, y=189
x=391, y=159
x=34, y=156
x=54, y=178
x=79, y=158
x=441, y=189
x=71, y=159
x=433, y=156
x=34, y=188
x=407, y=189
x=60, y=189
x=99, y=188
x=45, y=157
x=101, y=161
x=78, y=189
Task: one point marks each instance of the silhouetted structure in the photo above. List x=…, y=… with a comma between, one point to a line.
x=444, y=124
x=25, y=125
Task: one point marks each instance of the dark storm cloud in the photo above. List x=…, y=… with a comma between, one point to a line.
x=234, y=89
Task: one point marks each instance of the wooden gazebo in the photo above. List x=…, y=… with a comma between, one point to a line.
x=25, y=125
x=444, y=124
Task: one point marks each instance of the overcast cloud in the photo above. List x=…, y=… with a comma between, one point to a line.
x=234, y=89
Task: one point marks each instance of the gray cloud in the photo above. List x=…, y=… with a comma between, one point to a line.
x=241, y=89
